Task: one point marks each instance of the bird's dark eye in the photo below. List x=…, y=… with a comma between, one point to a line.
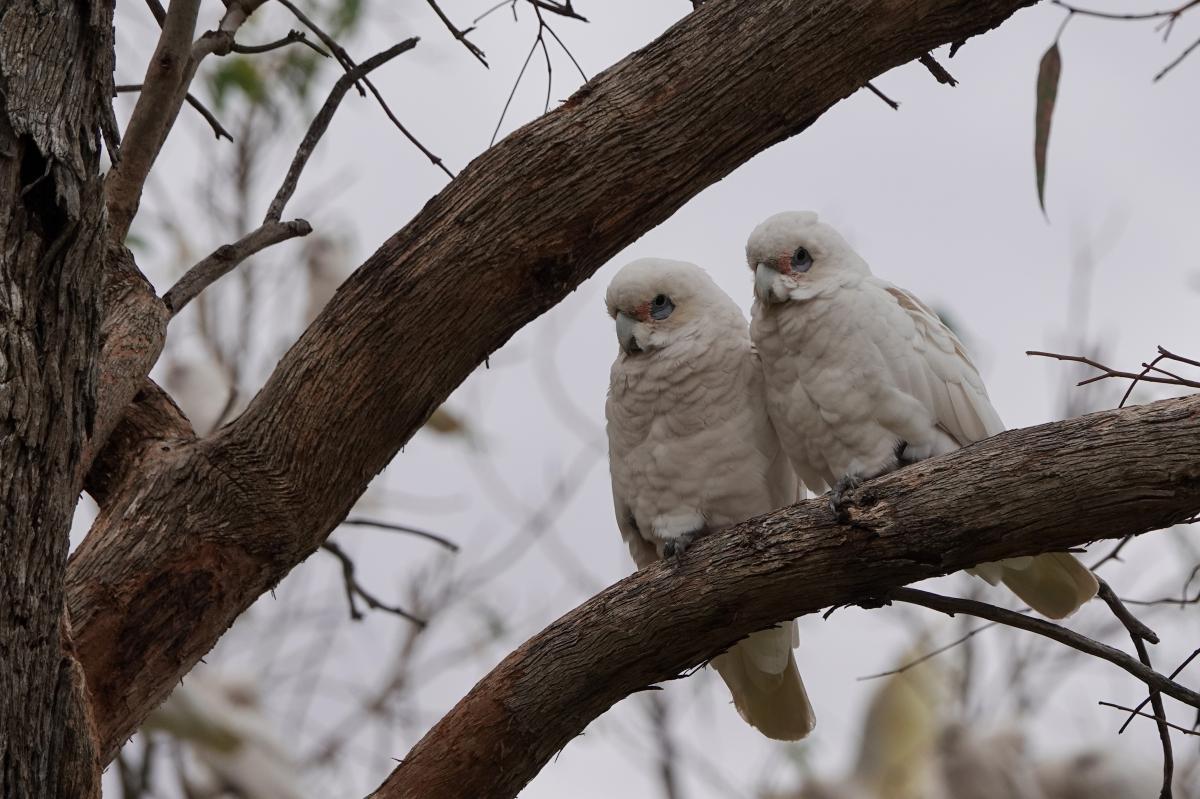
x=661, y=306
x=801, y=260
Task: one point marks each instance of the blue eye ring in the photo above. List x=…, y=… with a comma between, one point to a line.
x=801, y=260
x=661, y=307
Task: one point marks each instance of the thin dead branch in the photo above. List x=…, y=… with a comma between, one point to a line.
x=321, y=122
x=348, y=64
x=217, y=128
x=225, y=258
x=952, y=605
x=356, y=591
x=401, y=528
x=1140, y=634
x=292, y=37
x=461, y=35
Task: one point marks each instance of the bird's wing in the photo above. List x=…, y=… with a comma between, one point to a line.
x=641, y=550
x=941, y=375
x=783, y=486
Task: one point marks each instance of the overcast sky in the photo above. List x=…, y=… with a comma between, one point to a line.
x=938, y=197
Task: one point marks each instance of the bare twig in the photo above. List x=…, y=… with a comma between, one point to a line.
x=1161, y=721
x=563, y=9
x=1109, y=372
x=1115, y=554
x=321, y=122
x=293, y=37
x=1139, y=633
x=937, y=70
x=895, y=106
x=156, y=8
x=217, y=128
x=226, y=257
x=537, y=40
x=929, y=655
x=511, y=3
x=461, y=35
x=355, y=590
x=1178, y=60
x=400, y=528
x=1168, y=14
x=1136, y=628
x=349, y=65
x=952, y=605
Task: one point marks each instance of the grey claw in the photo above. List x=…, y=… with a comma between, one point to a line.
x=837, y=496
x=675, y=547
x=902, y=458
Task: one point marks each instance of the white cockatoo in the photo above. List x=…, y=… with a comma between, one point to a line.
x=863, y=377
x=691, y=450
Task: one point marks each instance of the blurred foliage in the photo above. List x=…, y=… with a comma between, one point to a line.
x=259, y=78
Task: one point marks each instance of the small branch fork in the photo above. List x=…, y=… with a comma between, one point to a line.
x=321, y=122
x=953, y=605
x=349, y=65
x=1160, y=375
x=1167, y=19
x=272, y=230
x=218, y=129
x=356, y=591
x=539, y=40
x=1140, y=634
x=1141, y=668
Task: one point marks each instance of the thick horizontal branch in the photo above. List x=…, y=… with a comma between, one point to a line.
x=1040, y=489
x=210, y=525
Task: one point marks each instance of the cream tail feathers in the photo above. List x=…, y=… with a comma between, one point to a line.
x=862, y=377
x=691, y=450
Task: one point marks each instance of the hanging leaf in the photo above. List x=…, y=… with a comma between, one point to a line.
x=1047, y=91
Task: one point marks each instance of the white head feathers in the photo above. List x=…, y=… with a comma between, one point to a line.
x=795, y=256
x=656, y=302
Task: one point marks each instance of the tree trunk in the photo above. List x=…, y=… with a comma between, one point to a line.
x=56, y=76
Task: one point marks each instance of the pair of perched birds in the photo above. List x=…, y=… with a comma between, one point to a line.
x=840, y=377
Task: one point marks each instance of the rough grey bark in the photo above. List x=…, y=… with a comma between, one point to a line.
x=205, y=526
x=1040, y=489
x=55, y=87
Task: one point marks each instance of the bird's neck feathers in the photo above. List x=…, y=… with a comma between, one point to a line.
x=668, y=377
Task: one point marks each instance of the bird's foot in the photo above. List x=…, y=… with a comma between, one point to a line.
x=902, y=456
x=674, y=548
x=837, y=497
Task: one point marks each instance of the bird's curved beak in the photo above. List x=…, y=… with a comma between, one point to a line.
x=764, y=284
x=625, y=336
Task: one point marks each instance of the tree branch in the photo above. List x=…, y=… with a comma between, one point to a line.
x=1055, y=632
x=1023, y=492
x=321, y=122
x=211, y=524
x=163, y=89
x=211, y=118
x=225, y=259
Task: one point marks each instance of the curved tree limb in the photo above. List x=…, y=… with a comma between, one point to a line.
x=1023, y=492
x=178, y=553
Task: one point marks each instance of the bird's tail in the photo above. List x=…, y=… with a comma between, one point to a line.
x=762, y=676
x=1055, y=585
